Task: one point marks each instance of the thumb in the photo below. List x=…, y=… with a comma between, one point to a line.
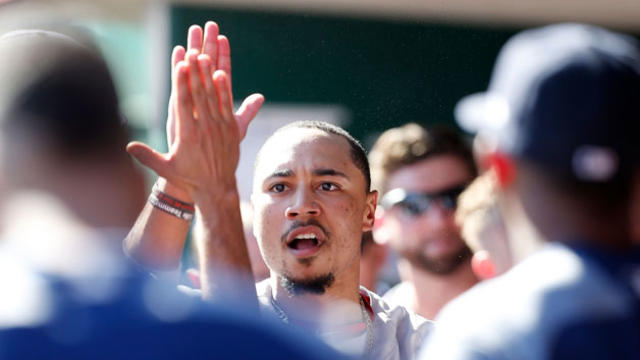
x=148, y=157
x=247, y=112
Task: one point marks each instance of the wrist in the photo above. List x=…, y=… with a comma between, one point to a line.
x=221, y=193
x=216, y=200
x=173, y=190
x=171, y=205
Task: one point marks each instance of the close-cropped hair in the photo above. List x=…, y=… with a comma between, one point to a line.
x=411, y=143
x=358, y=154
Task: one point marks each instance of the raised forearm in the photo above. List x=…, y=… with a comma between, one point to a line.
x=224, y=260
x=203, y=156
x=157, y=238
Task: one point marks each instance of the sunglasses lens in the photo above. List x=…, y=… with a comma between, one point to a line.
x=448, y=201
x=416, y=204
x=414, y=207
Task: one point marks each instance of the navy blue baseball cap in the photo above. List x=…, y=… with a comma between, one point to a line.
x=566, y=98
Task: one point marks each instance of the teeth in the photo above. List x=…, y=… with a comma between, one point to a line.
x=306, y=236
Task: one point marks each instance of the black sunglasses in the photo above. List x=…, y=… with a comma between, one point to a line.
x=415, y=203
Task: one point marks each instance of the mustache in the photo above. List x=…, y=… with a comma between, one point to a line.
x=297, y=224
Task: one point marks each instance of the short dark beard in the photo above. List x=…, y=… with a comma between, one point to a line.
x=316, y=286
x=442, y=266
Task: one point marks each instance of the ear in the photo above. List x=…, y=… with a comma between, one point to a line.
x=369, y=215
x=503, y=167
x=482, y=265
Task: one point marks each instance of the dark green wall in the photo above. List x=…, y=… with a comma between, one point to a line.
x=386, y=73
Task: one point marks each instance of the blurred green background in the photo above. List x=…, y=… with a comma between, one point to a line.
x=384, y=72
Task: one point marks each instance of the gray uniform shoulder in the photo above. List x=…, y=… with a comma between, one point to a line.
x=398, y=332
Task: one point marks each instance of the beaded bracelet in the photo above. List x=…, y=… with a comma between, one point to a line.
x=170, y=205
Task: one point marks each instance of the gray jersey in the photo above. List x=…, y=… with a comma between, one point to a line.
x=397, y=332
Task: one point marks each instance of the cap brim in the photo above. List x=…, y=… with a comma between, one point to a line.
x=481, y=112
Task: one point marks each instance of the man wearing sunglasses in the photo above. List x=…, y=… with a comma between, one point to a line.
x=420, y=174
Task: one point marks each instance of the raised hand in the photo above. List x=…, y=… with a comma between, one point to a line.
x=216, y=48
x=204, y=138
x=205, y=151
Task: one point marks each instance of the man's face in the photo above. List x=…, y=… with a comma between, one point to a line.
x=431, y=239
x=310, y=205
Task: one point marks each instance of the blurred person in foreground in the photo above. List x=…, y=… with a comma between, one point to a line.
x=69, y=190
x=420, y=173
x=482, y=227
x=311, y=200
x=562, y=109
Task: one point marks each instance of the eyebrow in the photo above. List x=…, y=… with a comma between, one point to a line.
x=280, y=174
x=329, y=172
x=317, y=172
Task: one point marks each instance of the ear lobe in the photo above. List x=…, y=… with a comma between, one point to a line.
x=482, y=265
x=368, y=222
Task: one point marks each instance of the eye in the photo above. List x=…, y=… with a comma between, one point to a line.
x=327, y=186
x=278, y=188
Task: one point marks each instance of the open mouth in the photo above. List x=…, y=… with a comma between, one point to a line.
x=305, y=241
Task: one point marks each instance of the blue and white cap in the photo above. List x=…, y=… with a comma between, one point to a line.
x=565, y=97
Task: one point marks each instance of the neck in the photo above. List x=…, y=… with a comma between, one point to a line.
x=560, y=211
x=608, y=231
x=430, y=291
x=340, y=303
x=96, y=194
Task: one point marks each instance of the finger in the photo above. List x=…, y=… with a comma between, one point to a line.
x=224, y=55
x=210, y=44
x=184, y=104
x=194, y=38
x=171, y=122
x=197, y=87
x=247, y=112
x=225, y=101
x=176, y=56
x=148, y=157
x=212, y=97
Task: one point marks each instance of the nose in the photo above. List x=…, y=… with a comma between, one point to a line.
x=304, y=205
